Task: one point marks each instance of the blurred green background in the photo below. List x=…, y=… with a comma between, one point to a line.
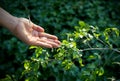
x=57, y=17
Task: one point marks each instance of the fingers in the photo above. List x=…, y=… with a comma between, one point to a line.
x=43, y=39
x=42, y=44
x=38, y=28
x=41, y=32
x=51, y=42
x=55, y=41
x=47, y=36
x=50, y=39
x=46, y=44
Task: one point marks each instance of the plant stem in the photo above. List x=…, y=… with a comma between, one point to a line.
x=89, y=49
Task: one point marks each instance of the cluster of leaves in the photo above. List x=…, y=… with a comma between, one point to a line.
x=83, y=56
x=60, y=16
x=55, y=15
x=12, y=54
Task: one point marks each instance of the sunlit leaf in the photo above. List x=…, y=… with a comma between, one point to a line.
x=27, y=65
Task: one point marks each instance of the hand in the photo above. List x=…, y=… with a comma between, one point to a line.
x=33, y=34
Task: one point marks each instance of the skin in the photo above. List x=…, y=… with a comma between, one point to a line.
x=27, y=31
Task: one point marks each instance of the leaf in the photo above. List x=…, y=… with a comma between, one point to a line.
x=80, y=62
x=27, y=65
x=91, y=57
x=75, y=55
x=68, y=66
x=85, y=72
x=82, y=24
x=92, y=66
x=101, y=71
x=38, y=52
x=32, y=47
x=7, y=78
x=36, y=66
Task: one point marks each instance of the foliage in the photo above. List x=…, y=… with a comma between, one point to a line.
x=84, y=56
x=12, y=54
x=88, y=51
x=62, y=16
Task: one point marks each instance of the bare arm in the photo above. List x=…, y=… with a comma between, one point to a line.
x=28, y=32
x=7, y=20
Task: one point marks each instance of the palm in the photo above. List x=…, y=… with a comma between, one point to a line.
x=35, y=35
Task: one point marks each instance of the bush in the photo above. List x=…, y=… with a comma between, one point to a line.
x=87, y=53
x=62, y=16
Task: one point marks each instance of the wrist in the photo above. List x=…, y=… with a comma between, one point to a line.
x=12, y=23
x=7, y=20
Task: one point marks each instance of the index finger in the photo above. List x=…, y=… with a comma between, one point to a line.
x=42, y=34
x=38, y=28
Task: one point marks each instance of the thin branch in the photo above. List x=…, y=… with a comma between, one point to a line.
x=89, y=49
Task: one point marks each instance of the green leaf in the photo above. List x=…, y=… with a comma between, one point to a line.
x=91, y=57
x=38, y=52
x=80, y=62
x=75, y=55
x=101, y=71
x=91, y=66
x=82, y=24
x=7, y=78
x=85, y=72
x=68, y=66
x=27, y=65
x=32, y=47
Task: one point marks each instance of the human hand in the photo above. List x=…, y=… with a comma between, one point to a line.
x=33, y=34
x=27, y=31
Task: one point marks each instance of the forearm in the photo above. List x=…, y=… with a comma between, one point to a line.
x=7, y=20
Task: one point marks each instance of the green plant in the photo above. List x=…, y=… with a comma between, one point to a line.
x=60, y=17
x=83, y=56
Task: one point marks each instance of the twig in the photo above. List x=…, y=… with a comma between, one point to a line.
x=89, y=49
